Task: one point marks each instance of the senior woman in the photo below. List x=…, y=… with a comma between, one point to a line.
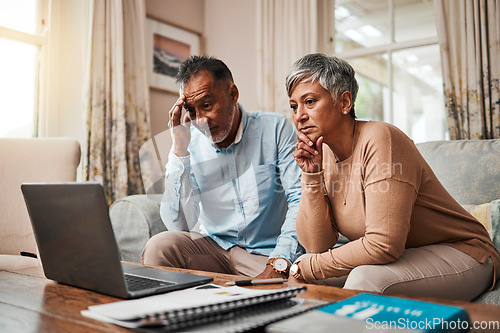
x=367, y=181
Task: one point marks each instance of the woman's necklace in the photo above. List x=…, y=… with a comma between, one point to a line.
x=345, y=190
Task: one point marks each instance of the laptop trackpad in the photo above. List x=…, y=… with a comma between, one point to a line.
x=159, y=274
x=130, y=268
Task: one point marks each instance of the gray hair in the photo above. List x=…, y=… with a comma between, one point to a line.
x=332, y=73
x=197, y=64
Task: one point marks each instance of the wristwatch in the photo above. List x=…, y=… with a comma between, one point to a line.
x=280, y=265
x=295, y=271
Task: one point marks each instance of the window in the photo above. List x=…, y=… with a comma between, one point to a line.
x=393, y=46
x=21, y=43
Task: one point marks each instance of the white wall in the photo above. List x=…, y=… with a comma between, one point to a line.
x=66, y=70
x=231, y=35
x=63, y=113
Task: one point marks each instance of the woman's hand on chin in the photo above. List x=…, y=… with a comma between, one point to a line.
x=307, y=154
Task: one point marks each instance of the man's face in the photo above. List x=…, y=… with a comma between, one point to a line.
x=211, y=107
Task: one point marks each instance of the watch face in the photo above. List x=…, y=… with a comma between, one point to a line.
x=294, y=269
x=280, y=264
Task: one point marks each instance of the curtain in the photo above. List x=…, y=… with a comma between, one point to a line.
x=117, y=97
x=469, y=38
x=287, y=30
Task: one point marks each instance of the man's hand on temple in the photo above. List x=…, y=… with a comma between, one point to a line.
x=179, y=130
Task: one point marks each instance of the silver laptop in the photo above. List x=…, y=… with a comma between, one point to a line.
x=77, y=245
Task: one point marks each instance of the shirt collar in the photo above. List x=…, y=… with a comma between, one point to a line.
x=241, y=127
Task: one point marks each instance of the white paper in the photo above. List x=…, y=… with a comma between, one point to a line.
x=176, y=300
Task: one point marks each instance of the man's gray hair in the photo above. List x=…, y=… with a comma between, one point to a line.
x=332, y=73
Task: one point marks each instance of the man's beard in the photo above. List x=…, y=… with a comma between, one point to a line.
x=224, y=133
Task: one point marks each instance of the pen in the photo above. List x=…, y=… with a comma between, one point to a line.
x=255, y=282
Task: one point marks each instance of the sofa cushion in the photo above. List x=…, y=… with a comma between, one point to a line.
x=468, y=169
x=135, y=219
x=489, y=216
x=13, y=263
x=23, y=161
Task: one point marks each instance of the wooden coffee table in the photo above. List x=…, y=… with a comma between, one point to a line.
x=30, y=302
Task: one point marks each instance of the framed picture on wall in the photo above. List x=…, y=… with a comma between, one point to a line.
x=167, y=47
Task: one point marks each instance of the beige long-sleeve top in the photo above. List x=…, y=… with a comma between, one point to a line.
x=393, y=202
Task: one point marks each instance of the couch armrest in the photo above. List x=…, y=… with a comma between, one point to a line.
x=135, y=219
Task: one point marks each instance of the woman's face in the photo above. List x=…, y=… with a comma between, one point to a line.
x=315, y=112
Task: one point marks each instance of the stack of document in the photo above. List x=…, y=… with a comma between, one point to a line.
x=208, y=308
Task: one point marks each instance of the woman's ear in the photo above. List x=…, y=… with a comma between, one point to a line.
x=346, y=100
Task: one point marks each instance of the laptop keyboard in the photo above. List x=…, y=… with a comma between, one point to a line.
x=135, y=283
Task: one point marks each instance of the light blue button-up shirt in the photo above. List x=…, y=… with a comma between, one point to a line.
x=246, y=194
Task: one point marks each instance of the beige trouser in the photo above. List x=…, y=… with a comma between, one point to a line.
x=195, y=251
x=433, y=270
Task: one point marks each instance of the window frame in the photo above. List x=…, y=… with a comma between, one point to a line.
x=327, y=40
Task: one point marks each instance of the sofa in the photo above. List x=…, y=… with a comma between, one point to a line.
x=28, y=160
x=469, y=170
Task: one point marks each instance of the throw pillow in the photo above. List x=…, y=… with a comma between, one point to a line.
x=489, y=216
